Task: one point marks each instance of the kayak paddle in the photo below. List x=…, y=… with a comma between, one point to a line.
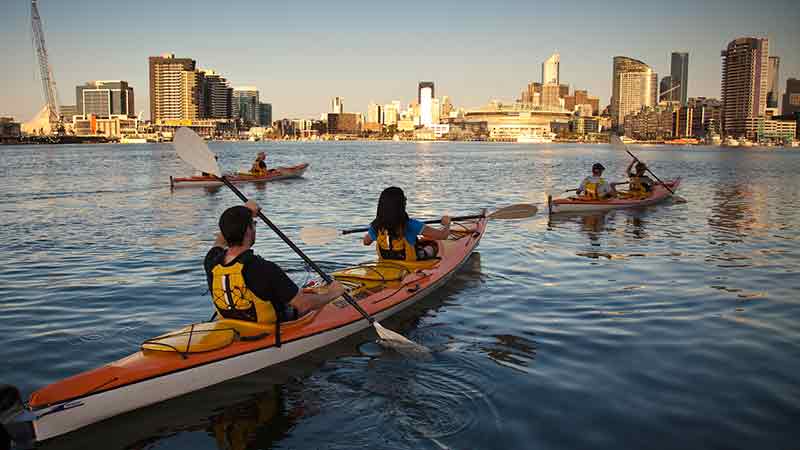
x=323, y=235
x=193, y=150
x=617, y=143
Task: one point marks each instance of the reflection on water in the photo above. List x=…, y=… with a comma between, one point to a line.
x=565, y=332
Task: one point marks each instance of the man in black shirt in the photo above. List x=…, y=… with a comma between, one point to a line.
x=245, y=286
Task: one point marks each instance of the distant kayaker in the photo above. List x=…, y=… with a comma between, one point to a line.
x=639, y=183
x=595, y=186
x=259, y=167
x=245, y=286
x=397, y=235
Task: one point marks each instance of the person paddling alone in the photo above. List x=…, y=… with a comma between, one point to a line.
x=595, y=187
x=397, y=234
x=245, y=286
x=259, y=167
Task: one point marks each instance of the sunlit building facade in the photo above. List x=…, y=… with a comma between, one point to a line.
x=634, y=86
x=425, y=95
x=745, y=68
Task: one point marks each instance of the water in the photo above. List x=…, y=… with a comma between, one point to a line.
x=673, y=326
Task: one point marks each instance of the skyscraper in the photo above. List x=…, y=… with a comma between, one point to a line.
x=791, y=98
x=337, y=105
x=245, y=104
x=634, y=86
x=665, y=90
x=265, y=114
x=218, y=96
x=104, y=98
x=773, y=83
x=551, y=69
x=744, y=84
x=679, y=77
x=425, y=94
x=172, y=92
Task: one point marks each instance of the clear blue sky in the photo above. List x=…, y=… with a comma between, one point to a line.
x=300, y=54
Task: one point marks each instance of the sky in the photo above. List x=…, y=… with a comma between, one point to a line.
x=301, y=54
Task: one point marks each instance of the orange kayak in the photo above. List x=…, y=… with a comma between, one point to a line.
x=277, y=173
x=579, y=205
x=208, y=353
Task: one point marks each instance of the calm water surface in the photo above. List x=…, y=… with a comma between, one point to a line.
x=674, y=326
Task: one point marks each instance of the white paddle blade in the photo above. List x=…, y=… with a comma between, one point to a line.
x=193, y=150
x=318, y=235
x=518, y=211
x=397, y=341
x=616, y=142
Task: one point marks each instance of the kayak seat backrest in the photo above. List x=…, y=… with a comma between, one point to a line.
x=196, y=338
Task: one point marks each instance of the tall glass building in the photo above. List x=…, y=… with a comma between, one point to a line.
x=634, y=86
x=679, y=76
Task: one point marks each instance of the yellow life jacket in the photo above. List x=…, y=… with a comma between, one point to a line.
x=234, y=300
x=390, y=247
x=256, y=169
x=636, y=186
x=591, y=190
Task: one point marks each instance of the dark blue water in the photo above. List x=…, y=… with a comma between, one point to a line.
x=674, y=326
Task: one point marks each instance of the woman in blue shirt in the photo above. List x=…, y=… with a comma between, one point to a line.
x=396, y=234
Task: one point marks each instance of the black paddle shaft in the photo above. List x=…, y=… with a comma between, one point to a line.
x=429, y=221
x=651, y=173
x=297, y=250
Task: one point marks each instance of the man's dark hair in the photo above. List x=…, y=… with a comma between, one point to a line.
x=234, y=222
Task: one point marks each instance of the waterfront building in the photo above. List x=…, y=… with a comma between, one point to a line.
x=344, y=123
x=374, y=113
x=265, y=114
x=337, y=105
x=584, y=125
x=582, y=97
x=773, y=82
x=634, y=86
x=425, y=95
x=551, y=70
x=173, y=94
x=651, y=123
x=9, y=129
x=791, y=98
x=68, y=112
x=551, y=98
x=679, y=77
x=245, y=101
x=763, y=129
x=104, y=98
x=445, y=108
x=532, y=94
x=391, y=113
x=436, y=111
x=706, y=116
x=218, y=96
x=744, y=84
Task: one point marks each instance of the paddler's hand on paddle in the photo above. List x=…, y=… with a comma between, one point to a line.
x=253, y=207
x=308, y=300
x=446, y=221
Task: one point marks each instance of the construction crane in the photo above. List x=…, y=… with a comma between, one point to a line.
x=46, y=72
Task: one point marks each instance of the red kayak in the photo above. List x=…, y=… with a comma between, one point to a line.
x=278, y=173
x=578, y=205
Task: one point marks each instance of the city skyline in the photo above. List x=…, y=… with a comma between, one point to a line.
x=472, y=70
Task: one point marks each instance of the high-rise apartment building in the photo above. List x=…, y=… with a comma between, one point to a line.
x=666, y=93
x=245, y=104
x=551, y=69
x=679, y=77
x=551, y=97
x=391, y=113
x=634, y=86
x=374, y=113
x=218, y=96
x=791, y=98
x=265, y=114
x=744, y=84
x=104, y=99
x=773, y=83
x=425, y=94
x=174, y=95
x=337, y=105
